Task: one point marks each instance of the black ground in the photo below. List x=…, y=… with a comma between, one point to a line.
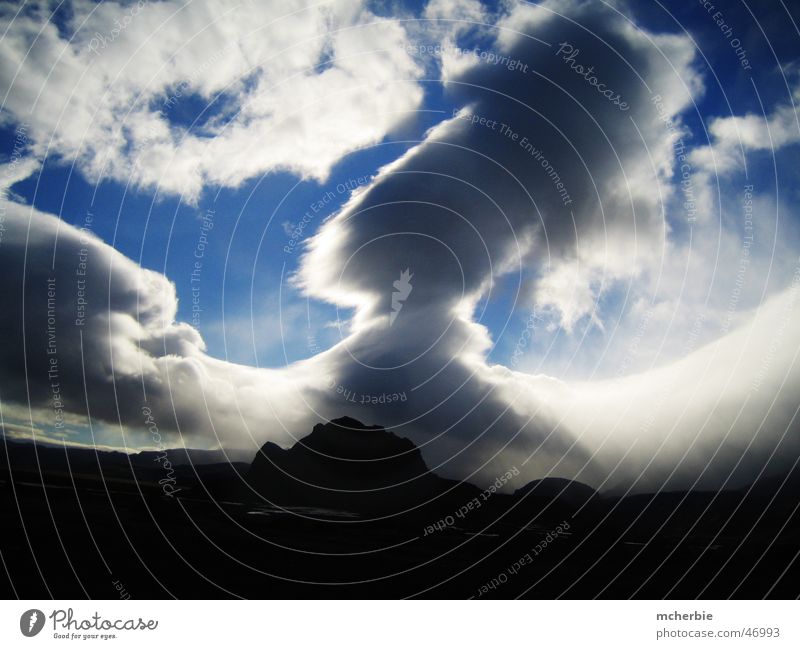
x=82, y=524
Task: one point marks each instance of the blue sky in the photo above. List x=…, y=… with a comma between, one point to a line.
x=256, y=122
x=245, y=257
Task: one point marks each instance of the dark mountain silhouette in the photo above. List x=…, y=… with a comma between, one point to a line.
x=347, y=465
x=550, y=500
x=558, y=492
x=195, y=470
x=29, y=456
x=224, y=519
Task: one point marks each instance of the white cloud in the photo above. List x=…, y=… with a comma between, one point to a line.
x=735, y=135
x=465, y=209
x=96, y=96
x=125, y=349
x=479, y=207
x=718, y=413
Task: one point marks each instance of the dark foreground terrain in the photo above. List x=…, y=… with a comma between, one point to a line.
x=371, y=522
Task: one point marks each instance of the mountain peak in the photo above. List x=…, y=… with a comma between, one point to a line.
x=345, y=464
x=349, y=422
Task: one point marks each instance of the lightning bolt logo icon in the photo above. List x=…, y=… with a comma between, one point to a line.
x=31, y=622
x=402, y=290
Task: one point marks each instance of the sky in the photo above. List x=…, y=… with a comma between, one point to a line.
x=560, y=236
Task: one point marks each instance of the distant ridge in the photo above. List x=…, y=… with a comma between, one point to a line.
x=348, y=465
